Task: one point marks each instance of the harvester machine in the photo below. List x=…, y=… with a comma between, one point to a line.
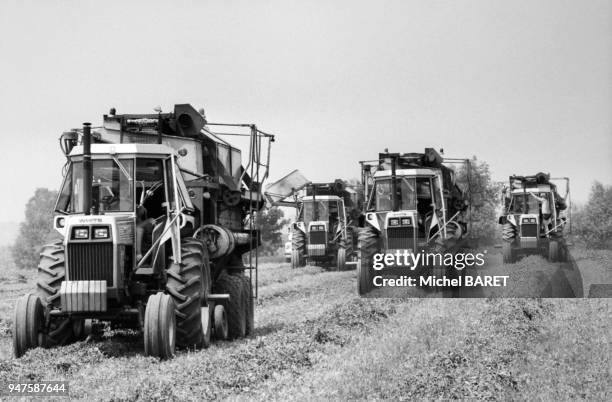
x=534, y=217
x=325, y=221
x=414, y=203
x=156, y=212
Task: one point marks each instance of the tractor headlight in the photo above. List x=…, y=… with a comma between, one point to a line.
x=61, y=222
x=80, y=233
x=394, y=222
x=406, y=221
x=100, y=233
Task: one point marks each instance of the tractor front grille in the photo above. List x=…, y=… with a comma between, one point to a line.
x=400, y=238
x=90, y=262
x=529, y=230
x=317, y=237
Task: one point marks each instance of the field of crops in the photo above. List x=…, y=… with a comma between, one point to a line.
x=316, y=339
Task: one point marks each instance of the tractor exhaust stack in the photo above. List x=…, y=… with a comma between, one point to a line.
x=87, y=169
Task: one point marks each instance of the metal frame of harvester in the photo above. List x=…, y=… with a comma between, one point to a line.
x=413, y=203
x=525, y=231
x=156, y=212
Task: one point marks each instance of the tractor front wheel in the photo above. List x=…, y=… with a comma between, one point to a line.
x=29, y=324
x=160, y=326
x=507, y=252
x=368, y=245
x=298, y=248
x=220, y=319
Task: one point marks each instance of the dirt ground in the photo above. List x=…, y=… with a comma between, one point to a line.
x=316, y=339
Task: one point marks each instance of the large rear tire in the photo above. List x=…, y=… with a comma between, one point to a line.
x=553, y=251
x=236, y=307
x=563, y=253
x=508, y=253
x=51, y=274
x=29, y=322
x=341, y=259
x=298, y=248
x=189, y=289
x=368, y=246
x=160, y=326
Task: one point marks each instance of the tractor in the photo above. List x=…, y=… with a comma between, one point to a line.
x=534, y=217
x=325, y=222
x=414, y=203
x=155, y=212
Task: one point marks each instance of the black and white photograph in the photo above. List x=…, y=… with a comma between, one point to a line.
x=306, y=200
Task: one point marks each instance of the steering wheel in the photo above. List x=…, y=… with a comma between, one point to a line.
x=108, y=200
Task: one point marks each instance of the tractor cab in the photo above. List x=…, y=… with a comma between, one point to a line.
x=418, y=198
x=414, y=203
x=137, y=200
x=323, y=217
x=533, y=217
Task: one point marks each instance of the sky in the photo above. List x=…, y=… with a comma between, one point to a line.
x=525, y=86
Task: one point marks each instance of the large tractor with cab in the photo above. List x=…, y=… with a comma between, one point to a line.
x=324, y=230
x=156, y=215
x=414, y=204
x=534, y=217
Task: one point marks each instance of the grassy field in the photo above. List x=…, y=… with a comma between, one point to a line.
x=315, y=339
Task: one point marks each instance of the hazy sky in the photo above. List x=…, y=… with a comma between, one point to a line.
x=523, y=85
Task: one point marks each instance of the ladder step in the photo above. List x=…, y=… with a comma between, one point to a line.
x=351, y=263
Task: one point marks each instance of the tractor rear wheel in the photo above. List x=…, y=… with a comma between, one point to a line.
x=236, y=307
x=563, y=253
x=51, y=274
x=160, y=326
x=189, y=289
x=368, y=245
x=507, y=252
x=553, y=251
x=29, y=324
x=298, y=248
x=341, y=259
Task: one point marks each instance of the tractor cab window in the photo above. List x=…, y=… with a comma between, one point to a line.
x=112, y=189
x=406, y=187
x=150, y=189
x=334, y=215
x=315, y=211
x=523, y=203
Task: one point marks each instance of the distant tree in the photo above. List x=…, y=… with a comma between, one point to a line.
x=270, y=222
x=485, y=198
x=36, y=230
x=593, y=221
